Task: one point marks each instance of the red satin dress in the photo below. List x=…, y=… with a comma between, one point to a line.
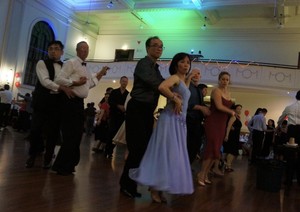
x=215, y=128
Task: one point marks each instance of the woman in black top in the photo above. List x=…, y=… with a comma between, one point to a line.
x=231, y=142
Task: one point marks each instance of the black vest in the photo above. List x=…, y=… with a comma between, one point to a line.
x=50, y=67
x=41, y=97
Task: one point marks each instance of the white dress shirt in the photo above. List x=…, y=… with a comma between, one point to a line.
x=258, y=122
x=292, y=112
x=6, y=97
x=72, y=71
x=43, y=75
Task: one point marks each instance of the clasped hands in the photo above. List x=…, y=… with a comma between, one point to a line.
x=82, y=80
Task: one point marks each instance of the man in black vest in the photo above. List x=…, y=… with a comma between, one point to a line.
x=46, y=106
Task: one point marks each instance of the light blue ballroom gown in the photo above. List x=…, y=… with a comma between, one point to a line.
x=165, y=165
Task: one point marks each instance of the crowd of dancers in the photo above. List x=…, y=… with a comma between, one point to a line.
x=159, y=157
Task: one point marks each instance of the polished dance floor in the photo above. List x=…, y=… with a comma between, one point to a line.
x=94, y=186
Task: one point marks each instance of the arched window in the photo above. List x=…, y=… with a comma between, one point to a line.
x=41, y=35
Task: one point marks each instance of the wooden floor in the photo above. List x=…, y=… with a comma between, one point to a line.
x=94, y=186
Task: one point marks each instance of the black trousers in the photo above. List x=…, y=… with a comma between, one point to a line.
x=139, y=126
x=114, y=125
x=23, y=122
x=294, y=131
x=195, y=133
x=72, y=125
x=292, y=155
x=45, y=125
x=257, y=138
x=4, y=112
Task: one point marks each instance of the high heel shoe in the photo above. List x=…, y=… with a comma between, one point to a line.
x=201, y=182
x=200, y=179
x=207, y=182
x=155, y=196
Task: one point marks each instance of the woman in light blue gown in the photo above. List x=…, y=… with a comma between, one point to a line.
x=165, y=165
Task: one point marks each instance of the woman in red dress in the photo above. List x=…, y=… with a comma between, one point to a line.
x=215, y=125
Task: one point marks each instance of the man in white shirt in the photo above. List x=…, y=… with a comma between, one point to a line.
x=75, y=75
x=5, y=104
x=257, y=125
x=292, y=113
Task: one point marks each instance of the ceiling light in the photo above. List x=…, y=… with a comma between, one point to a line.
x=110, y=5
x=197, y=3
x=141, y=24
x=203, y=27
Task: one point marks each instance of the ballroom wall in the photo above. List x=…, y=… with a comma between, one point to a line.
x=19, y=17
x=275, y=47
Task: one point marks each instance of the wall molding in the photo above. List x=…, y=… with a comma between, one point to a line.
x=251, y=75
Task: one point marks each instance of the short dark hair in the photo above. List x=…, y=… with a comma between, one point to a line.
x=56, y=42
x=201, y=86
x=148, y=41
x=298, y=95
x=264, y=110
x=108, y=89
x=122, y=77
x=6, y=87
x=235, y=106
x=258, y=110
x=81, y=42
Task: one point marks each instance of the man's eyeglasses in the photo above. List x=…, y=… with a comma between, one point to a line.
x=157, y=46
x=54, y=49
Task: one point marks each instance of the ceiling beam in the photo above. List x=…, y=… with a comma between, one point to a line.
x=130, y=4
x=197, y=3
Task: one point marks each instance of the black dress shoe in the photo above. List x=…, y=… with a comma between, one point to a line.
x=47, y=166
x=30, y=162
x=137, y=194
x=109, y=156
x=127, y=193
x=131, y=194
x=54, y=168
x=64, y=173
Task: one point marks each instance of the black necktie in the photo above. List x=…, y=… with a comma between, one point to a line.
x=83, y=64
